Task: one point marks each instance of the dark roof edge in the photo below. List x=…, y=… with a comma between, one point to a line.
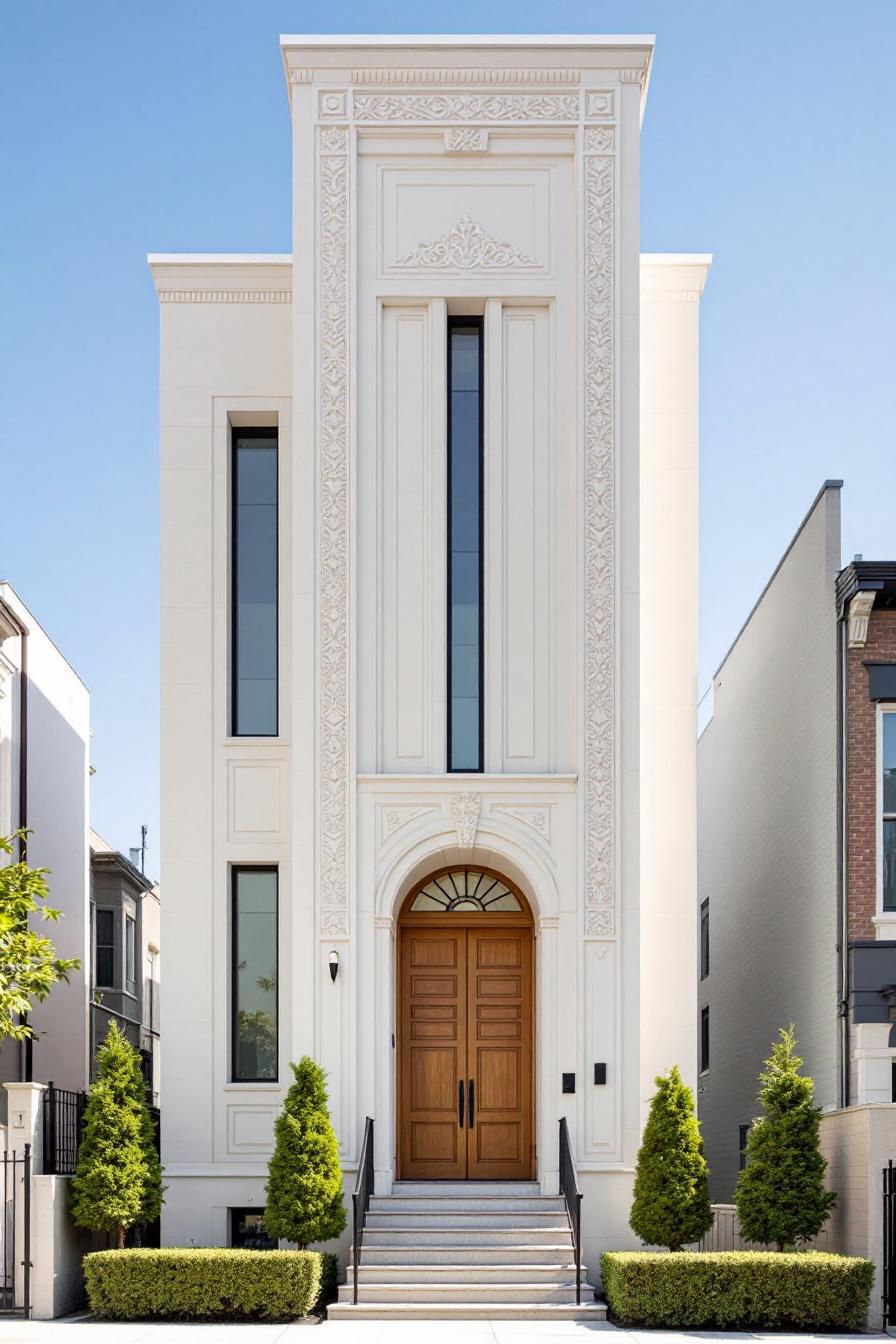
x=826, y=486
x=859, y=574
x=113, y=858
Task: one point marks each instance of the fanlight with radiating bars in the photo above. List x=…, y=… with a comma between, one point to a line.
x=466, y=889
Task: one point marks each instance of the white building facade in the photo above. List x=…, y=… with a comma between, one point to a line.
x=429, y=634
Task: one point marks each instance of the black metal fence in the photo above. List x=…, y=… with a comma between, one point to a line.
x=63, y=1121
x=889, y=1265
x=15, y=1234
x=64, y=1125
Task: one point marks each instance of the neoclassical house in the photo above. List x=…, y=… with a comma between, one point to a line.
x=429, y=633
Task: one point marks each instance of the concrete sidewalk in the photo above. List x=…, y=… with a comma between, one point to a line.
x=85, y=1330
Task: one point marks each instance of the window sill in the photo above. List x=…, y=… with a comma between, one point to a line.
x=253, y=1087
x=885, y=924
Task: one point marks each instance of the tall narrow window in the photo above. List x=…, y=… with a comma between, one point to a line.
x=254, y=581
x=254, y=974
x=465, y=544
x=888, y=803
x=704, y=940
x=130, y=954
x=104, y=924
x=704, y=1039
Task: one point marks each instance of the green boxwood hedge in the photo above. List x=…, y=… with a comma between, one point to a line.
x=737, y=1290
x=202, y=1285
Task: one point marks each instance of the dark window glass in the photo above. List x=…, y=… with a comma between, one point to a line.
x=247, y=1230
x=704, y=940
x=743, y=1133
x=255, y=974
x=704, y=1039
x=889, y=762
x=889, y=864
x=465, y=544
x=105, y=948
x=130, y=954
x=254, y=568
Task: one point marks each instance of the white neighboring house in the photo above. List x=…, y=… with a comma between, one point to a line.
x=44, y=787
x=429, y=634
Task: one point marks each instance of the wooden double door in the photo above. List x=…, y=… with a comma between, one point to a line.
x=465, y=1043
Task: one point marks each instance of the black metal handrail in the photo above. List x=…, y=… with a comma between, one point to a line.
x=569, y=1189
x=361, y=1200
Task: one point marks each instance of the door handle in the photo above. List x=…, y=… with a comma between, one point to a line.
x=472, y=1103
x=460, y=1103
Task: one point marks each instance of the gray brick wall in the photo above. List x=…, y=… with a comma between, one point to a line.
x=767, y=786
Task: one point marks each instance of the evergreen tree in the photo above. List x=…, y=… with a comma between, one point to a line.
x=781, y=1197
x=304, y=1189
x=671, y=1203
x=118, y=1177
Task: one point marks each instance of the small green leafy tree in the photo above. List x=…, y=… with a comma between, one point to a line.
x=29, y=966
x=304, y=1189
x=671, y=1204
x=781, y=1197
x=118, y=1177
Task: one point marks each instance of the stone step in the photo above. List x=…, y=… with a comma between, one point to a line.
x=445, y=1236
x=438, y=1189
x=453, y=1272
x=495, y=1311
x=466, y=1204
x=409, y=1253
x=426, y=1218
x=462, y=1294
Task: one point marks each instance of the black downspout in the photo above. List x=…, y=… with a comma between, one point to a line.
x=843, y=854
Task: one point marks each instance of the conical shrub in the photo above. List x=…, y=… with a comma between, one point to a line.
x=304, y=1189
x=671, y=1203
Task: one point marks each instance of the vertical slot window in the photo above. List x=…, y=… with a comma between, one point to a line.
x=888, y=819
x=704, y=1039
x=704, y=940
x=130, y=954
x=254, y=580
x=465, y=606
x=254, y=975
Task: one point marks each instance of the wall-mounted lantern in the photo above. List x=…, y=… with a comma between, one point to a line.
x=334, y=965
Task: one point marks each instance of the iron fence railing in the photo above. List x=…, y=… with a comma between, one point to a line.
x=361, y=1200
x=63, y=1122
x=15, y=1234
x=569, y=1189
x=888, y=1277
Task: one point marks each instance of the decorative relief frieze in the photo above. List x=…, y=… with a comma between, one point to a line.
x=225, y=296
x=465, y=809
x=466, y=247
x=333, y=520
x=463, y=78
x=600, y=104
x=600, y=534
x=332, y=104
x=466, y=140
x=487, y=107
x=600, y=923
x=396, y=817
x=536, y=818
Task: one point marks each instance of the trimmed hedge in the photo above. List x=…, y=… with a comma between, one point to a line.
x=207, y=1284
x=738, y=1290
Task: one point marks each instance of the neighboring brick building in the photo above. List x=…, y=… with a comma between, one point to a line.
x=797, y=836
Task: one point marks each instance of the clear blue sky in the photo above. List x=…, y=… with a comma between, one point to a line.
x=132, y=127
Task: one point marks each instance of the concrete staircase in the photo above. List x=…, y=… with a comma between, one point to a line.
x=458, y=1251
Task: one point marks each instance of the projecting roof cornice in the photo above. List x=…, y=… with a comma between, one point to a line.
x=519, y=61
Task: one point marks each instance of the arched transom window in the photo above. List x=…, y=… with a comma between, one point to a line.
x=466, y=889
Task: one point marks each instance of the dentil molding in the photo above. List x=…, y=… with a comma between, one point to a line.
x=462, y=78
x=225, y=296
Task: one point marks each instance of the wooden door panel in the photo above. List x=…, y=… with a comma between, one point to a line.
x=499, y=1054
x=432, y=1052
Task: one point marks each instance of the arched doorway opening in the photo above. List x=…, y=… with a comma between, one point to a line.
x=465, y=1038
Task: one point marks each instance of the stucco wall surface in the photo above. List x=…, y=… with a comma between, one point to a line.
x=767, y=825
